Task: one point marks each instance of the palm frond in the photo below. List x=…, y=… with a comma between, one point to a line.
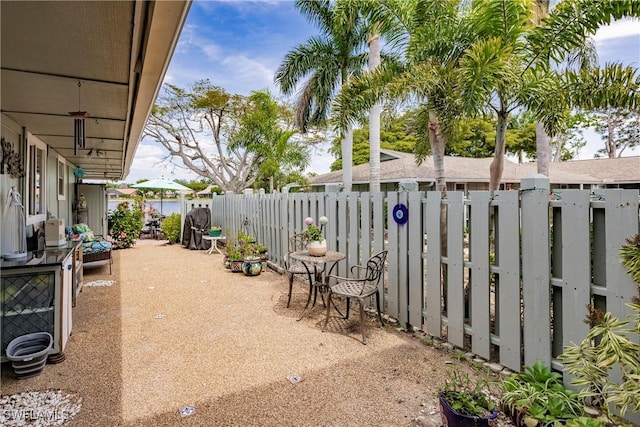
x=485, y=67
x=614, y=86
x=317, y=12
x=301, y=61
x=571, y=22
x=504, y=19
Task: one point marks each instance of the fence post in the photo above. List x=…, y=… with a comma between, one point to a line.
x=535, y=268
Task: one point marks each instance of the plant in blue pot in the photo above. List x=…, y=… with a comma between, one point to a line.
x=215, y=231
x=466, y=403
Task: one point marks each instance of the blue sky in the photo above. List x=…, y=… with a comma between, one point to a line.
x=238, y=45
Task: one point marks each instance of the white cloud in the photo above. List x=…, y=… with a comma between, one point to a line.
x=252, y=74
x=211, y=51
x=621, y=28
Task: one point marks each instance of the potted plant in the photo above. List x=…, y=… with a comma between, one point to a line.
x=252, y=261
x=537, y=396
x=215, y=231
x=317, y=244
x=235, y=258
x=464, y=402
x=245, y=238
x=577, y=422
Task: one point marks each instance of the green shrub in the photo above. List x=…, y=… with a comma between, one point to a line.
x=125, y=224
x=608, y=345
x=171, y=227
x=538, y=394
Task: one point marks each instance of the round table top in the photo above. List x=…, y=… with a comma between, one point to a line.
x=330, y=256
x=207, y=237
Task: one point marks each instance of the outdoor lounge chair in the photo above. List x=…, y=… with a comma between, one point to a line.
x=363, y=285
x=96, y=250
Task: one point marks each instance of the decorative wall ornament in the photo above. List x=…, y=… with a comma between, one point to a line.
x=78, y=172
x=10, y=161
x=400, y=214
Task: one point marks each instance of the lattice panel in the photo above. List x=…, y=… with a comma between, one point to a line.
x=27, y=305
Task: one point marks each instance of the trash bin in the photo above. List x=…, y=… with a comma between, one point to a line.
x=28, y=353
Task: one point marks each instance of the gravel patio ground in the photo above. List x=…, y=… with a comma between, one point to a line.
x=177, y=329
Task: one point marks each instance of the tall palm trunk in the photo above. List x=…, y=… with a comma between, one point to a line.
x=543, y=149
x=374, y=120
x=497, y=165
x=438, y=142
x=347, y=159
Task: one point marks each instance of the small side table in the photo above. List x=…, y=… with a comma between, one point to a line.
x=214, y=243
x=316, y=266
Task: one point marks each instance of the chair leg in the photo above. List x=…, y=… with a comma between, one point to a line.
x=290, y=289
x=326, y=318
x=346, y=314
x=378, y=307
x=364, y=339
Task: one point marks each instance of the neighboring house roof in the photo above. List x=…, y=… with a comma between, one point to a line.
x=127, y=191
x=457, y=169
x=206, y=191
x=619, y=170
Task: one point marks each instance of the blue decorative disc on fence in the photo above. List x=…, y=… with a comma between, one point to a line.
x=400, y=214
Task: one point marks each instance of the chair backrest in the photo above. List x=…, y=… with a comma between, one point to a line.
x=375, y=268
x=297, y=242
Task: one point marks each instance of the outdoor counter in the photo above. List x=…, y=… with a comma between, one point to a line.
x=37, y=294
x=49, y=256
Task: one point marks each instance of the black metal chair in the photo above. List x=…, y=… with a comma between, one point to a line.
x=363, y=285
x=293, y=267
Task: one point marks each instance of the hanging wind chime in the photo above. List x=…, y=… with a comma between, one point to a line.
x=79, y=129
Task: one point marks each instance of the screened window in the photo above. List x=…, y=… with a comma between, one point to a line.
x=62, y=178
x=36, y=180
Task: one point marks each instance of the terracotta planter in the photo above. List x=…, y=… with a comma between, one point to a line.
x=316, y=248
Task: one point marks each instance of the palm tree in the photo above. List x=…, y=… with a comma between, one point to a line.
x=509, y=62
x=571, y=25
x=533, y=48
x=385, y=18
x=327, y=62
x=466, y=57
x=263, y=132
x=428, y=76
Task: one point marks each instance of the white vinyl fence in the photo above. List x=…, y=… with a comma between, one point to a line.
x=510, y=281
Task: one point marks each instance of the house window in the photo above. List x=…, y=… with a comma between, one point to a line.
x=36, y=180
x=62, y=178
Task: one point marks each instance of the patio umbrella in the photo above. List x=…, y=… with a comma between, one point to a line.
x=161, y=184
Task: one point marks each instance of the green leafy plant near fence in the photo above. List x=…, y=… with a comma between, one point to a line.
x=538, y=394
x=630, y=256
x=171, y=227
x=611, y=343
x=125, y=224
x=466, y=396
